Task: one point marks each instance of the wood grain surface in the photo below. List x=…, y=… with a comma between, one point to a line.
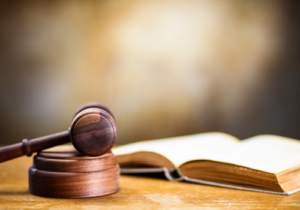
x=74, y=162
x=70, y=174
x=73, y=184
x=137, y=193
x=93, y=131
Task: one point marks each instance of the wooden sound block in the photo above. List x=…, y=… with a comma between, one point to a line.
x=69, y=174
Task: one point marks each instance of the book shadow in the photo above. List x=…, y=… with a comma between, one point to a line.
x=159, y=175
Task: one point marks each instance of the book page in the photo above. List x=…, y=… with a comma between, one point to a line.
x=269, y=153
x=181, y=149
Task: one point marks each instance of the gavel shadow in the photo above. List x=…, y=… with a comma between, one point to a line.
x=14, y=193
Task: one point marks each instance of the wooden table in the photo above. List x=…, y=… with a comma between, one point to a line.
x=137, y=193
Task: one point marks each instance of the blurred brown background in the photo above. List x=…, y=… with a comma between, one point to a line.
x=164, y=67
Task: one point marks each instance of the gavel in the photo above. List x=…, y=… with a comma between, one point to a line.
x=93, y=132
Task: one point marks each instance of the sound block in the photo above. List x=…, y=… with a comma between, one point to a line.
x=62, y=172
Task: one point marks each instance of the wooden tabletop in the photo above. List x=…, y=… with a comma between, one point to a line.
x=137, y=193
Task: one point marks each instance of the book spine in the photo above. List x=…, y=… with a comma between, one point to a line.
x=173, y=174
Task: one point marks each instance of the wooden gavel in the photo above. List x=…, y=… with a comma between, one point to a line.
x=93, y=132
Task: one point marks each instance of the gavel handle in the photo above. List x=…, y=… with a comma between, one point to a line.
x=28, y=147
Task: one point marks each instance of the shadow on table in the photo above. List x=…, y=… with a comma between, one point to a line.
x=9, y=193
x=158, y=175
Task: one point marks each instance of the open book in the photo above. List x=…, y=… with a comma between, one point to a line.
x=264, y=163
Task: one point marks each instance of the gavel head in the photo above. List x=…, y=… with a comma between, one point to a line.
x=93, y=130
